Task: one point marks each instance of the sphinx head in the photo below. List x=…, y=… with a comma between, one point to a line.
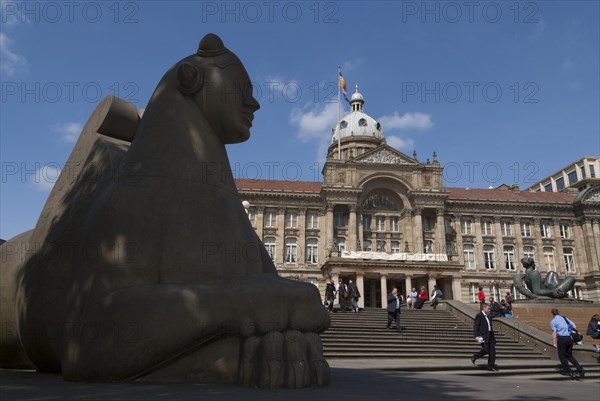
x=218, y=83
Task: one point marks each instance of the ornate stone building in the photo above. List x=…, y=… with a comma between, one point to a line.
x=385, y=219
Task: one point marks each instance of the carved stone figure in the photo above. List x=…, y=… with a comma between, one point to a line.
x=143, y=264
x=531, y=284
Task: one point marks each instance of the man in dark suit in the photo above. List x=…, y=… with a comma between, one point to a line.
x=484, y=333
x=495, y=309
x=393, y=309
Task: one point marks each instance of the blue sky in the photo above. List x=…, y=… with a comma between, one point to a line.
x=504, y=92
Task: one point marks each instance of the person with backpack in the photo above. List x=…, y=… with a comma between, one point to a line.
x=561, y=338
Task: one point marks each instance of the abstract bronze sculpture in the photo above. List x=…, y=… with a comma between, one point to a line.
x=532, y=285
x=143, y=264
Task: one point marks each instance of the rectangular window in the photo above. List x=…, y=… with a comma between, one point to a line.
x=269, y=243
x=367, y=245
x=467, y=226
x=380, y=245
x=380, y=223
x=469, y=254
x=526, y=229
x=291, y=250
x=548, y=187
x=569, y=260
x=252, y=218
x=592, y=171
x=572, y=177
x=312, y=251
x=270, y=219
x=428, y=246
x=340, y=220
x=488, y=257
x=395, y=246
x=506, y=228
x=560, y=184
x=395, y=224
x=291, y=220
x=549, y=259
x=340, y=242
x=312, y=220
x=366, y=221
x=565, y=231
x=509, y=258
x=582, y=170
x=428, y=223
x=546, y=230
x=528, y=252
x=486, y=227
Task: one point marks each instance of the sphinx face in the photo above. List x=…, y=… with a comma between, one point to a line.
x=227, y=102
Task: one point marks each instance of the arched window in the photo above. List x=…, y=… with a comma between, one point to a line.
x=380, y=201
x=569, y=260
x=509, y=258
x=291, y=250
x=269, y=243
x=488, y=257
x=312, y=251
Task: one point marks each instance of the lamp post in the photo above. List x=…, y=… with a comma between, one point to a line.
x=246, y=205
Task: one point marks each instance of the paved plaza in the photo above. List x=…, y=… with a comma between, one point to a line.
x=346, y=384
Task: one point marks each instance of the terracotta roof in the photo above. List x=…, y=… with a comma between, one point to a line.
x=455, y=193
x=507, y=195
x=278, y=185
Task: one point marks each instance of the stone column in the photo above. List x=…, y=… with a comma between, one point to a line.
x=384, y=291
x=431, y=281
x=479, y=261
x=558, y=245
x=596, y=231
x=280, y=238
x=418, y=231
x=329, y=223
x=407, y=285
x=590, y=243
x=351, y=245
x=360, y=231
x=516, y=226
x=408, y=234
x=582, y=262
x=373, y=288
x=440, y=232
x=499, y=244
x=539, y=246
x=458, y=246
x=301, y=236
x=360, y=284
x=260, y=216
x=456, y=289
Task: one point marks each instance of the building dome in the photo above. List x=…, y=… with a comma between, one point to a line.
x=357, y=123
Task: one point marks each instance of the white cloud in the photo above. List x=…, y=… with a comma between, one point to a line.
x=567, y=64
x=352, y=65
x=10, y=62
x=415, y=120
x=69, y=131
x=45, y=178
x=315, y=123
x=400, y=143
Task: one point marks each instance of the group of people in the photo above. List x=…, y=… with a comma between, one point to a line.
x=561, y=327
x=416, y=300
x=348, y=295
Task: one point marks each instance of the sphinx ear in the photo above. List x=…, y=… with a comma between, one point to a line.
x=189, y=78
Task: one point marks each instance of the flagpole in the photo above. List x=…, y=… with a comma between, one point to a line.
x=339, y=114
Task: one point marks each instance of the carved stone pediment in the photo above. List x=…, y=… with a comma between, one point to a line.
x=385, y=155
x=592, y=196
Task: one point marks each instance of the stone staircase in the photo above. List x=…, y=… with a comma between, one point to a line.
x=432, y=341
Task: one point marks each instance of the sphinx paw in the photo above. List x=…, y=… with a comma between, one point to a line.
x=290, y=358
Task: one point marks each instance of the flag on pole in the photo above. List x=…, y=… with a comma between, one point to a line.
x=342, y=83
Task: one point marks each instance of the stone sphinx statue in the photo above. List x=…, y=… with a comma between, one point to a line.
x=532, y=285
x=143, y=264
